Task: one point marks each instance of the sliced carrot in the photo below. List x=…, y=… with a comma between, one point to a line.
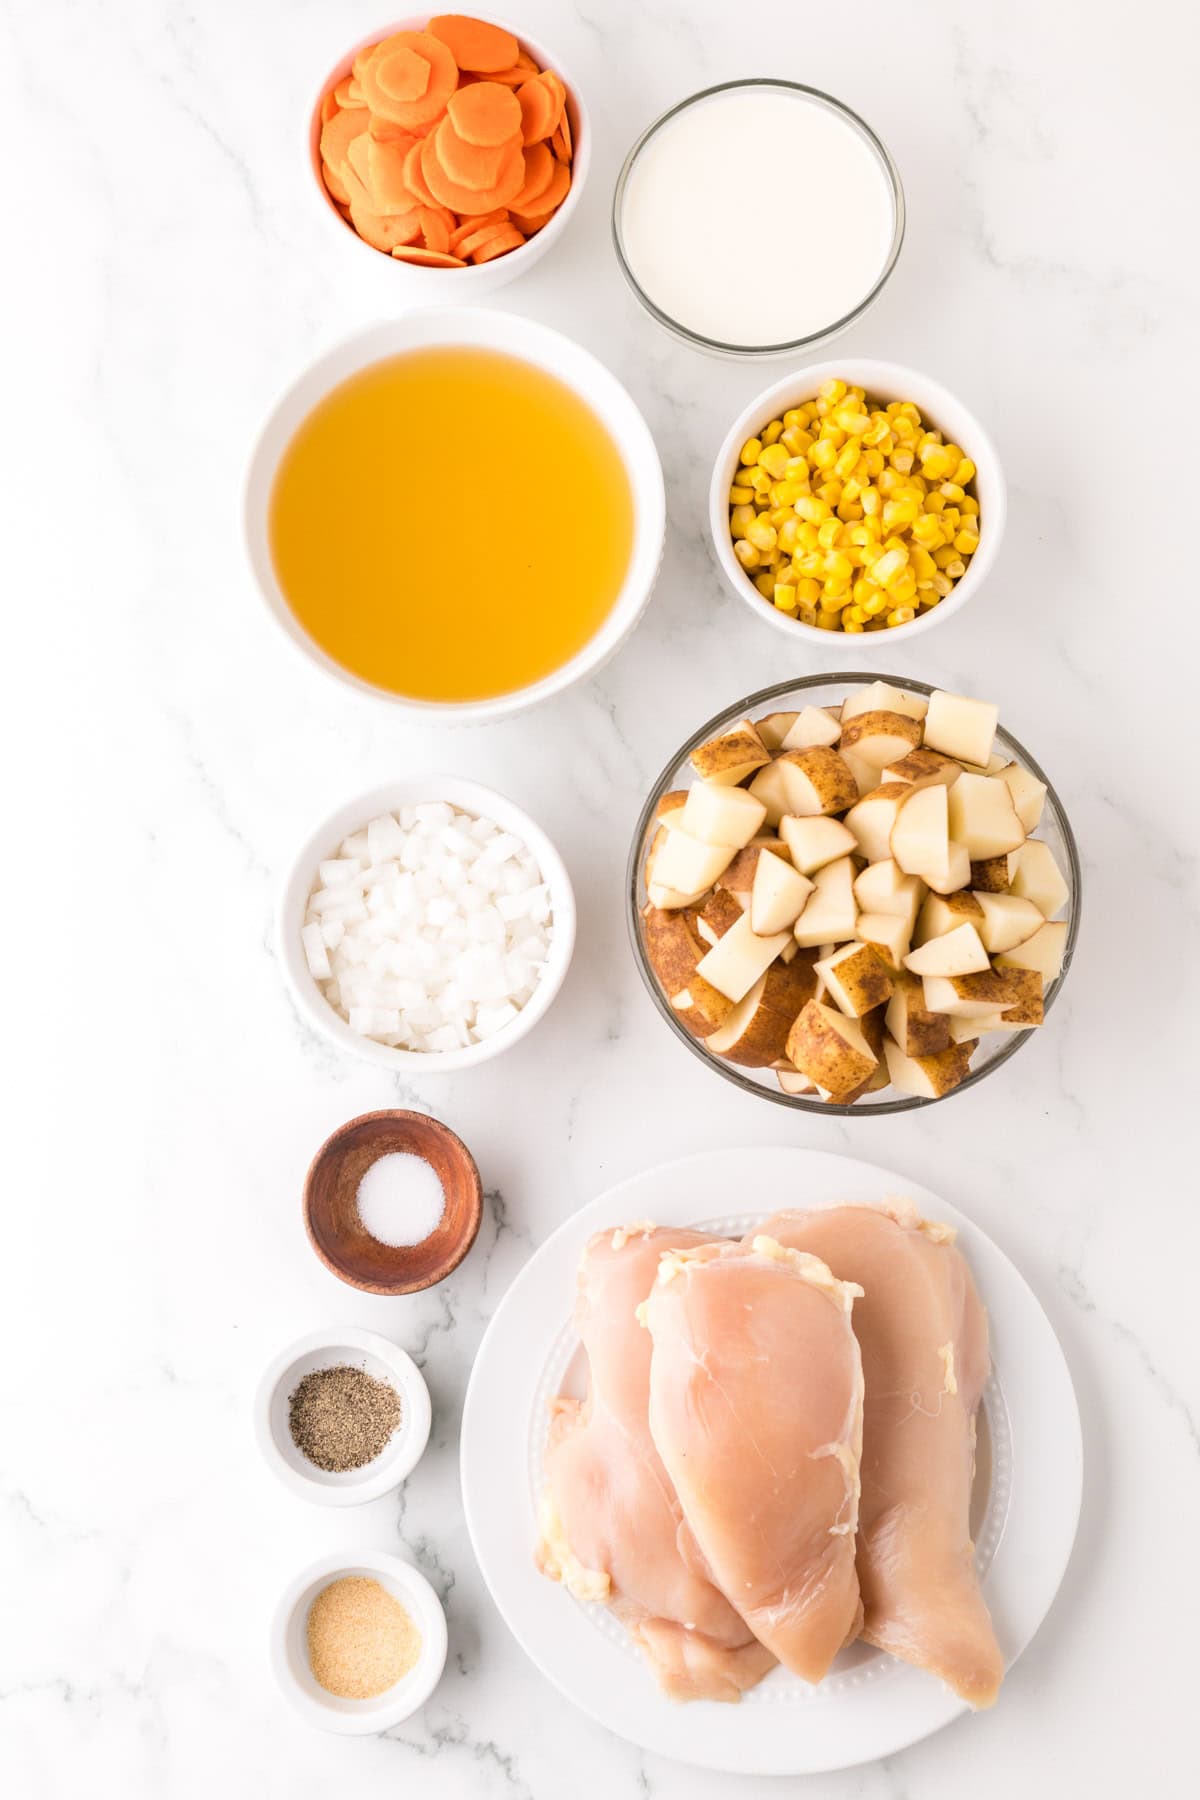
x=385, y=174
x=384, y=233
x=408, y=78
x=539, y=167
x=504, y=228
x=474, y=44
x=436, y=226
x=335, y=184
x=506, y=239
x=560, y=143
x=551, y=197
x=338, y=134
x=525, y=61
x=469, y=165
x=529, y=226
x=468, y=226
x=357, y=156
x=347, y=93
x=510, y=78
x=537, y=110
x=485, y=114
x=435, y=259
x=414, y=180
x=462, y=199
x=329, y=106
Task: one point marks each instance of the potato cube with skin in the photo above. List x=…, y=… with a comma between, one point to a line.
x=961, y=727
x=659, y=894
x=812, y=726
x=731, y=757
x=673, y=945
x=1029, y=1008
x=889, y=935
x=872, y=820
x=928, y=1077
x=957, y=952
x=856, y=979
x=756, y=1031
x=739, y=876
x=687, y=865
x=700, y=1007
x=817, y=781
x=768, y=787
x=920, y=838
x=883, y=887
x=778, y=896
x=866, y=775
x=975, y=995
x=1007, y=921
x=942, y=912
x=969, y=1031
x=774, y=728
x=881, y=696
x=1028, y=794
x=721, y=910
x=716, y=814
x=831, y=1049
x=924, y=767
x=880, y=737
x=1039, y=879
x=793, y=1082
x=983, y=818
x=814, y=842
x=991, y=874
x=1044, y=951
x=737, y=959
x=829, y=913
x=918, y=1031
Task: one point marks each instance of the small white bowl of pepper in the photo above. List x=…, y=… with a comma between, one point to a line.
x=342, y=1416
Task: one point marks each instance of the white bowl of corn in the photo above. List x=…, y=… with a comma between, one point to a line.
x=856, y=496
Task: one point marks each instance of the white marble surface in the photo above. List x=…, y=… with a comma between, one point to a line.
x=163, y=752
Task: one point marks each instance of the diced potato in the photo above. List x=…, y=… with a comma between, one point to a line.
x=737, y=959
x=774, y=728
x=812, y=726
x=917, y=1030
x=880, y=737
x=881, y=696
x=689, y=866
x=872, y=820
x=813, y=842
x=956, y=952
x=700, y=1007
x=830, y=1049
x=889, y=935
x=942, y=912
x=983, y=818
x=929, y=1077
x=883, y=887
x=830, y=912
x=778, y=896
x=721, y=910
x=975, y=995
x=1007, y=921
x=817, y=781
x=1028, y=794
x=756, y=1031
x=961, y=727
x=856, y=979
x=768, y=786
x=1044, y=951
x=731, y=757
x=716, y=814
x=1039, y=879
x=923, y=767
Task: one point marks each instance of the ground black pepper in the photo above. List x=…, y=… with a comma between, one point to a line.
x=342, y=1418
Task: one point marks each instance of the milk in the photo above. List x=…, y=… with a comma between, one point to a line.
x=757, y=216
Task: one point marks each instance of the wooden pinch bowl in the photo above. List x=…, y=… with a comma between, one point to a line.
x=331, y=1216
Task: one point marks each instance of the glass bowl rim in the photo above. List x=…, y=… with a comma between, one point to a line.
x=731, y=1071
x=856, y=123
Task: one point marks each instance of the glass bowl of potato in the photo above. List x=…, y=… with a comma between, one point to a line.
x=854, y=894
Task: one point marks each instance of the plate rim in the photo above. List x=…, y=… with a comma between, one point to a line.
x=835, y=1177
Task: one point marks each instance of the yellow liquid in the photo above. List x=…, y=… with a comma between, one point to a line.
x=451, y=524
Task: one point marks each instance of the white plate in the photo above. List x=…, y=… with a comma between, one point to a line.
x=1027, y=1500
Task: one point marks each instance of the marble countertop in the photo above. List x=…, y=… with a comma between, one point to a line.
x=165, y=753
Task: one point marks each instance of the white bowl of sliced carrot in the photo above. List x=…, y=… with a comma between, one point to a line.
x=451, y=148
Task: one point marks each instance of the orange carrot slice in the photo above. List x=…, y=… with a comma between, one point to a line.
x=384, y=233
x=462, y=199
x=436, y=226
x=408, y=78
x=414, y=180
x=329, y=106
x=505, y=239
x=537, y=110
x=386, y=131
x=511, y=78
x=357, y=157
x=504, y=228
x=485, y=114
x=385, y=174
x=469, y=165
x=347, y=93
x=551, y=197
x=560, y=143
x=539, y=167
x=435, y=259
x=469, y=226
x=525, y=61
x=474, y=44
x=335, y=184
x=339, y=133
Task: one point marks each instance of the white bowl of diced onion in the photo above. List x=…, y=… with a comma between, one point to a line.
x=883, y=382
x=427, y=925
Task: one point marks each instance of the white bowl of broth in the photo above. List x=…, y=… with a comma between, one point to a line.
x=459, y=512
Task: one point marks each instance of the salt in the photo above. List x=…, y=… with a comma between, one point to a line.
x=400, y=1200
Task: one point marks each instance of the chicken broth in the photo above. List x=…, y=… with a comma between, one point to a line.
x=451, y=524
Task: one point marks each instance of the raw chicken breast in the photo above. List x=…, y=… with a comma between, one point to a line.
x=924, y=1339
x=756, y=1397
x=610, y=1522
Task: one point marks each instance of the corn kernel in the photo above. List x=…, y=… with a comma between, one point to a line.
x=771, y=434
x=785, y=597
x=903, y=588
x=811, y=563
x=828, y=534
x=828, y=621
x=838, y=566
x=965, y=472
x=811, y=509
x=942, y=585
x=740, y=496
x=901, y=615
x=773, y=458
x=739, y=518
x=749, y=452
x=833, y=391
x=808, y=591
x=788, y=534
x=765, y=583
x=762, y=535
x=746, y=554
x=967, y=541
x=851, y=625
x=793, y=417
x=889, y=566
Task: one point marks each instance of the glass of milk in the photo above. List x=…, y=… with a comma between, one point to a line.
x=740, y=265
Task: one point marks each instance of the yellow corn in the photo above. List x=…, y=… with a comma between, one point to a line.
x=739, y=518
x=750, y=452
x=888, y=566
x=808, y=507
x=773, y=458
x=785, y=596
x=762, y=535
x=739, y=495
x=788, y=534
x=901, y=615
x=967, y=541
x=765, y=583
x=746, y=554
x=772, y=432
x=828, y=534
